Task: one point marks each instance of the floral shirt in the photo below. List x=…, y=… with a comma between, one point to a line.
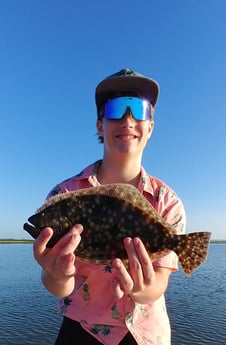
x=91, y=304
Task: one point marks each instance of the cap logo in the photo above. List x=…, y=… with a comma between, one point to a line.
x=126, y=72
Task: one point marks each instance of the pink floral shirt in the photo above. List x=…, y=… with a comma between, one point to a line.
x=92, y=305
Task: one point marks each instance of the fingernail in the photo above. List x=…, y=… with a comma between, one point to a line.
x=117, y=263
x=78, y=228
x=136, y=241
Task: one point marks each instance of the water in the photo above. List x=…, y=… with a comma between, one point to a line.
x=28, y=315
x=197, y=304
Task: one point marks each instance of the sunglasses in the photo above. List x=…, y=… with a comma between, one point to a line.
x=115, y=108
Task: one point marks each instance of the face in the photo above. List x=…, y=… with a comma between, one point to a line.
x=125, y=136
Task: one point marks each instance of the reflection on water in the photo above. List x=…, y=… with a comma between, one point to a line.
x=196, y=304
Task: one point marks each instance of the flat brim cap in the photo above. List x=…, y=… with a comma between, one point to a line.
x=126, y=81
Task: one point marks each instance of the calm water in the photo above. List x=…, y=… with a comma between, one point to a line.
x=196, y=304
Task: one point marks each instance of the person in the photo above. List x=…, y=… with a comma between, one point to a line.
x=112, y=304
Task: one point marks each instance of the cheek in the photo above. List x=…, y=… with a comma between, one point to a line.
x=146, y=131
x=107, y=127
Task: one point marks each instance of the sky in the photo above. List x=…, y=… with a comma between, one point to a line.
x=52, y=56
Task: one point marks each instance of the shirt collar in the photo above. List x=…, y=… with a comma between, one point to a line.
x=90, y=173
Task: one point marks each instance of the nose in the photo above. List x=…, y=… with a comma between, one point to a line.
x=128, y=116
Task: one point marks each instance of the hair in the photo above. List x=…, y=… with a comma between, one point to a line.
x=100, y=111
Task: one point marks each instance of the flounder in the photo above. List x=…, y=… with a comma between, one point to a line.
x=110, y=213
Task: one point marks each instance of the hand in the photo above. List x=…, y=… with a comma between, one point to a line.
x=57, y=262
x=142, y=282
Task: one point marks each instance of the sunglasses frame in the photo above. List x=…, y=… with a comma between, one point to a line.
x=115, y=108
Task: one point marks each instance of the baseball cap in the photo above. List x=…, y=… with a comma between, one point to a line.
x=127, y=81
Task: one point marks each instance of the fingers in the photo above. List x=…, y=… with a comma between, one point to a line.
x=141, y=272
x=39, y=246
x=122, y=282
x=140, y=263
x=70, y=241
x=67, y=264
x=117, y=289
x=60, y=258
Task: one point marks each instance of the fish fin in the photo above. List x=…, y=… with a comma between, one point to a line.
x=195, y=250
x=33, y=231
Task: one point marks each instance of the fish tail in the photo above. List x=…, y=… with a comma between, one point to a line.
x=193, y=250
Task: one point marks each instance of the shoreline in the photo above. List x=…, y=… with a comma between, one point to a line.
x=12, y=241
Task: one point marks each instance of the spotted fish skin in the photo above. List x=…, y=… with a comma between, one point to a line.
x=109, y=213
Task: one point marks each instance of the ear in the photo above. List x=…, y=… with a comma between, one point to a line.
x=99, y=125
x=150, y=128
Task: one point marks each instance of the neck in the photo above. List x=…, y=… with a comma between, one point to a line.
x=116, y=171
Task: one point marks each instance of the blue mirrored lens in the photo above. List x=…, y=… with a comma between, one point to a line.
x=115, y=108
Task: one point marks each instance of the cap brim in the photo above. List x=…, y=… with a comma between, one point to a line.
x=144, y=87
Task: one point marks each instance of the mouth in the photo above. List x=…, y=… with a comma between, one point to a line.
x=126, y=137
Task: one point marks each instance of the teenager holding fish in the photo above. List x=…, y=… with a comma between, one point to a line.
x=113, y=304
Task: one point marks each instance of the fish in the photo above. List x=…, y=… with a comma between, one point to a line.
x=109, y=213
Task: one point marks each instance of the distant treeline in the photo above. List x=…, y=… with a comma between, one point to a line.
x=11, y=240
x=218, y=241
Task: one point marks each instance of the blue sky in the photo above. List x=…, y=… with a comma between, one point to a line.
x=53, y=54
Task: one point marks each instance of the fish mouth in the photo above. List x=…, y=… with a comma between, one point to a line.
x=32, y=230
